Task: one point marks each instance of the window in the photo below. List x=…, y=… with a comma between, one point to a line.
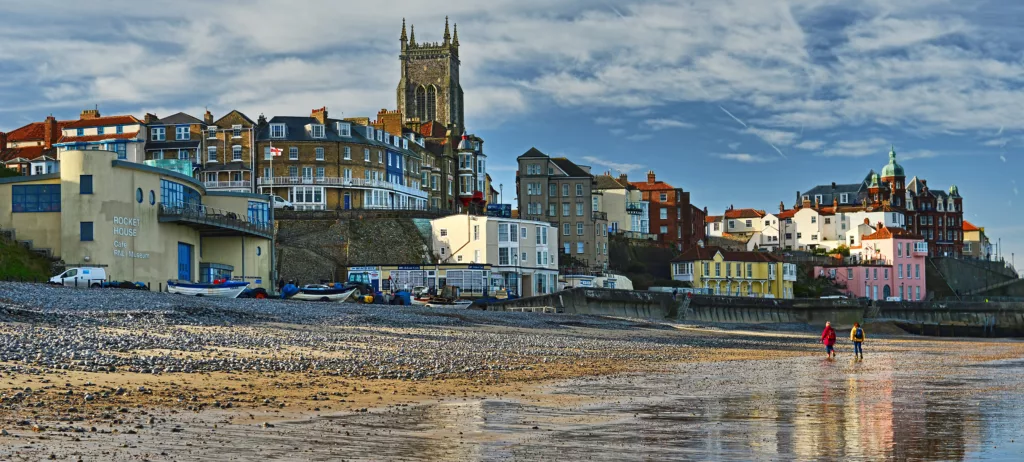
x=523, y=259
x=732, y=224
x=476, y=232
x=552, y=190
x=663, y=214
x=502, y=232
x=748, y=223
x=380, y=157
x=85, y=184
x=828, y=221
x=181, y=133
x=320, y=153
x=663, y=197
x=814, y=219
x=663, y=230
x=120, y=129
x=320, y=172
x=579, y=247
x=899, y=249
x=157, y=133
x=849, y=273
x=444, y=232
x=565, y=229
x=579, y=209
x=293, y=171
x=138, y=195
x=277, y=130
x=565, y=210
x=85, y=230
x=885, y=273
x=513, y=232
x=917, y=271
x=211, y=154
x=176, y=194
x=317, y=131
x=293, y=153
x=917, y=292
x=544, y=236
x=236, y=153
x=503, y=256
x=799, y=235
x=81, y=132
x=844, y=198
x=579, y=228
x=553, y=210
x=267, y=172
x=522, y=231
x=152, y=197
x=750, y=271
x=579, y=189
x=307, y=172
x=900, y=272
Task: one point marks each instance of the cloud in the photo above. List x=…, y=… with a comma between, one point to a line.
x=810, y=145
x=998, y=142
x=856, y=148
x=662, y=124
x=919, y=154
x=885, y=33
x=775, y=137
x=745, y=158
x=608, y=121
x=734, y=145
x=640, y=137
x=614, y=166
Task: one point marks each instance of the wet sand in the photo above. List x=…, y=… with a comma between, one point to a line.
x=687, y=393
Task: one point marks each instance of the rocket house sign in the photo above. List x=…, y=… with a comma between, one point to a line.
x=125, y=227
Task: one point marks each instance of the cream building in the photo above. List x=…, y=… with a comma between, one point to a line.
x=522, y=254
x=142, y=223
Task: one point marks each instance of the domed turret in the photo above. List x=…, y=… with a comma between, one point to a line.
x=954, y=191
x=892, y=169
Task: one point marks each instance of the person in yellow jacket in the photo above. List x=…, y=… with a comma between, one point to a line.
x=857, y=337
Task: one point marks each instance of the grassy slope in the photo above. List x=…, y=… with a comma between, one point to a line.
x=16, y=262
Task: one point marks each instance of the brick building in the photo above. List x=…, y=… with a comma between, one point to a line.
x=671, y=214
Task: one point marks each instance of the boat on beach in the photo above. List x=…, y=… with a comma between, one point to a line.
x=323, y=293
x=226, y=289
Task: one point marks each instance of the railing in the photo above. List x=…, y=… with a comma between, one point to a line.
x=228, y=184
x=339, y=182
x=637, y=235
x=210, y=216
x=598, y=216
x=635, y=208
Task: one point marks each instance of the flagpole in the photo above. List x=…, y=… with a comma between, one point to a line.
x=271, y=169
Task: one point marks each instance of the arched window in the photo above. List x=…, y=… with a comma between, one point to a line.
x=886, y=291
x=431, y=105
x=421, y=103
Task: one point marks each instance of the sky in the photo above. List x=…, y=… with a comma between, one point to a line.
x=740, y=102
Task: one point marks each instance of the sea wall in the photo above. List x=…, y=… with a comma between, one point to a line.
x=601, y=302
x=745, y=310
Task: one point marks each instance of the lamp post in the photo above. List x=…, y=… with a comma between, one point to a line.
x=501, y=191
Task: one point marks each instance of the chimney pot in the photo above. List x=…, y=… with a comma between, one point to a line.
x=650, y=177
x=3, y=141
x=833, y=185
x=90, y=114
x=149, y=118
x=208, y=117
x=50, y=132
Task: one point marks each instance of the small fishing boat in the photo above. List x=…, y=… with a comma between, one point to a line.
x=448, y=304
x=323, y=293
x=226, y=289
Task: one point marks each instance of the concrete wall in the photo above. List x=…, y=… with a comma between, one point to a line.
x=946, y=318
x=964, y=275
x=250, y=256
x=601, y=302
x=44, y=226
x=756, y=311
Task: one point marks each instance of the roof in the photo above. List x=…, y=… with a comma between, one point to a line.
x=607, y=182
x=533, y=152
x=656, y=186
x=34, y=131
x=433, y=130
x=785, y=214
x=569, y=167
x=883, y=232
x=104, y=121
x=235, y=111
x=744, y=213
x=828, y=195
x=707, y=253
x=712, y=218
x=109, y=136
x=295, y=130
x=29, y=152
x=178, y=119
x=968, y=226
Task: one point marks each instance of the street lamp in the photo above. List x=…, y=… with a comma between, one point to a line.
x=501, y=191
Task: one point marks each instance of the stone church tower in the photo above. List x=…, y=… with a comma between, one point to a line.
x=429, y=90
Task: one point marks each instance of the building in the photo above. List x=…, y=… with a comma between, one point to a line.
x=976, y=243
x=627, y=211
x=29, y=150
x=670, y=215
x=557, y=191
x=934, y=214
x=890, y=262
x=141, y=223
x=177, y=136
x=472, y=280
x=429, y=88
x=123, y=134
x=472, y=179
x=329, y=164
x=733, y=273
x=437, y=160
x=522, y=254
x=229, y=143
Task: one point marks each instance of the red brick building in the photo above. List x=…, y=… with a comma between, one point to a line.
x=671, y=215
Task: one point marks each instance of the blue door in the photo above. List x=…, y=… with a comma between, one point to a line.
x=348, y=201
x=184, y=261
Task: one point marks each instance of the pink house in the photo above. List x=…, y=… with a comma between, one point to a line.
x=888, y=263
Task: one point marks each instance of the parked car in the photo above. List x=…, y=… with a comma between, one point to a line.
x=280, y=203
x=81, y=277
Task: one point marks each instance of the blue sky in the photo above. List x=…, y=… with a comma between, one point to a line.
x=741, y=102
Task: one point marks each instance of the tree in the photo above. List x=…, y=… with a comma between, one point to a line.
x=842, y=250
x=6, y=172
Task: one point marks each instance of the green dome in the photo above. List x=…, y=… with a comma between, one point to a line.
x=892, y=169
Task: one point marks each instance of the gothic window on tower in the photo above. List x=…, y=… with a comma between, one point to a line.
x=420, y=104
x=431, y=108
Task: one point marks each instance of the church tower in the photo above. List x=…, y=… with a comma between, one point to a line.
x=429, y=90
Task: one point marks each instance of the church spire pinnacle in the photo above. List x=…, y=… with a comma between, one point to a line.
x=447, y=33
x=412, y=35
x=404, y=38
x=455, y=41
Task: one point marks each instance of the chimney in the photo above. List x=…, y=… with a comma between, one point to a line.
x=782, y=207
x=90, y=114
x=833, y=185
x=835, y=202
x=149, y=118
x=208, y=117
x=650, y=177
x=623, y=179
x=50, y=133
x=261, y=120
x=320, y=115
x=705, y=211
x=3, y=141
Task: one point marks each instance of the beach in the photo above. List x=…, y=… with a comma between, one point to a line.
x=131, y=375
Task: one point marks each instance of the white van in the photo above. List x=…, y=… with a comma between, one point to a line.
x=81, y=277
x=280, y=203
x=893, y=299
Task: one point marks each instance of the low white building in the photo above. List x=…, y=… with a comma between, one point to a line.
x=523, y=254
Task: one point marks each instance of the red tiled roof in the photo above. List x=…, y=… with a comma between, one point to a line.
x=884, y=232
x=87, y=138
x=34, y=131
x=104, y=121
x=968, y=226
x=712, y=218
x=433, y=130
x=656, y=186
x=786, y=214
x=708, y=253
x=30, y=152
x=744, y=213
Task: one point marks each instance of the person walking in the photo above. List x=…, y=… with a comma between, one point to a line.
x=828, y=337
x=857, y=337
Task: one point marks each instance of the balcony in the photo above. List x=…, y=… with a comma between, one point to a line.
x=339, y=182
x=246, y=184
x=635, y=208
x=683, y=277
x=920, y=248
x=213, y=222
x=598, y=216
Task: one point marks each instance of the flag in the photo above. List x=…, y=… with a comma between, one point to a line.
x=276, y=152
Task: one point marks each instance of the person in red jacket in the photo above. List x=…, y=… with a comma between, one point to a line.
x=828, y=337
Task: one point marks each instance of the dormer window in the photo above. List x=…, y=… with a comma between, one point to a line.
x=844, y=198
x=316, y=131
x=277, y=130
x=344, y=129
x=369, y=132
x=212, y=130
x=380, y=135
x=405, y=143
x=817, y=198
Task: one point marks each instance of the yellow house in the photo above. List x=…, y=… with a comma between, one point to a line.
x=737, y=274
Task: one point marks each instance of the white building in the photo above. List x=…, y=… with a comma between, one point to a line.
x=523, y=254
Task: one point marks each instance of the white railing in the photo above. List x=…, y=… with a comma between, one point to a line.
x=683, y=277
x=339, y=182
x=227, y=184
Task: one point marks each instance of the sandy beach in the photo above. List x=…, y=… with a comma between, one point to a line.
x=122, y=375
